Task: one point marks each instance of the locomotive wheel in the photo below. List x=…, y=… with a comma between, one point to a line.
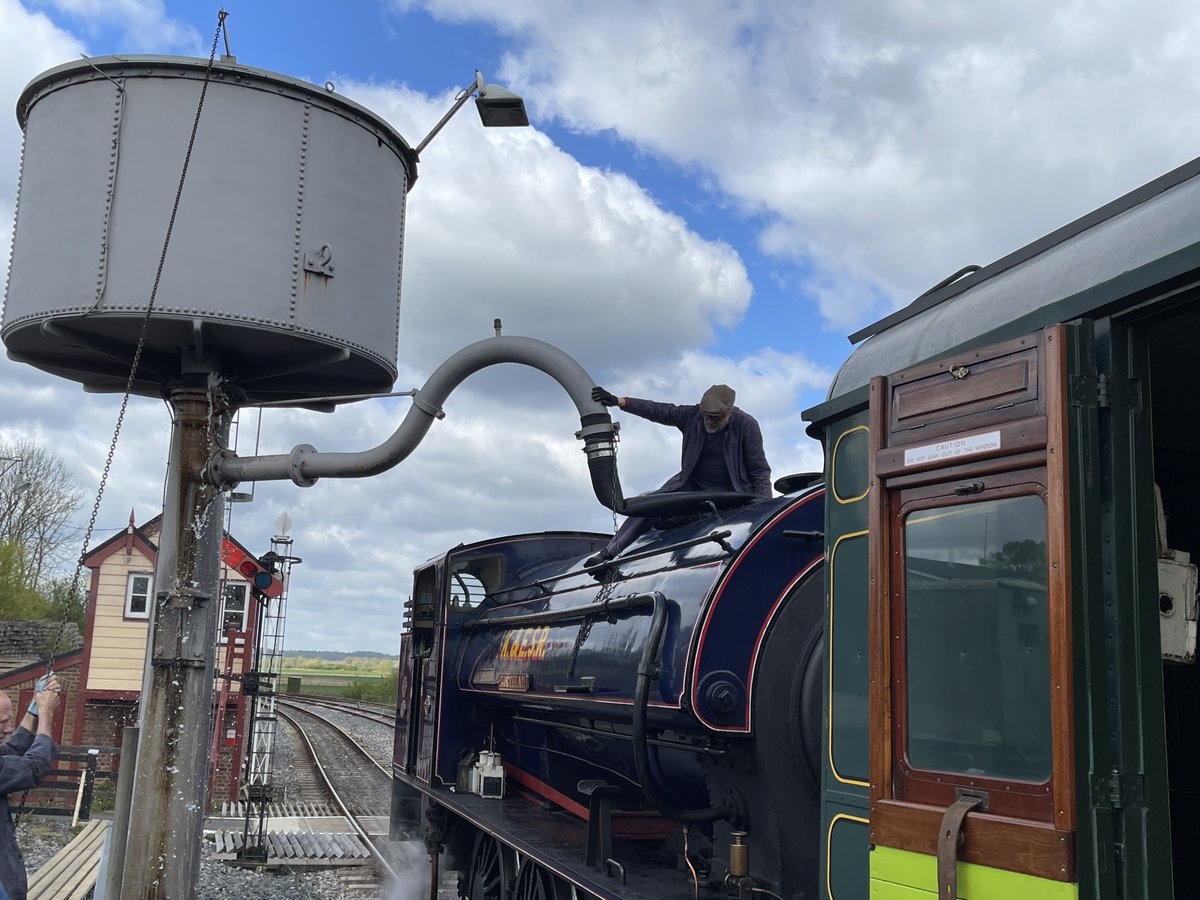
x=536, y=883
x=490, y=874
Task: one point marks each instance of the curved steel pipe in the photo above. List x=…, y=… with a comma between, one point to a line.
x=304, y=465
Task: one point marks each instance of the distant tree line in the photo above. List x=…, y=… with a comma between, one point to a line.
x=38, y=543
x=339, y=655
x=372, y=665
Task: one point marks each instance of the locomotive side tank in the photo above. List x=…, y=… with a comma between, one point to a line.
x=678, y=685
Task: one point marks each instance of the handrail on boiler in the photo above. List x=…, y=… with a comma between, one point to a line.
x=718, y=537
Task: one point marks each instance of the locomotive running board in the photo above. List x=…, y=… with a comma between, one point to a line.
x=559, y=843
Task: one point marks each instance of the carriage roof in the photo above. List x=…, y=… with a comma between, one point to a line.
x=1103, y=262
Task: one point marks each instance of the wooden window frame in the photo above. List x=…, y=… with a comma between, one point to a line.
x=1033, y=434
x=128, y=611
x=1007, y=796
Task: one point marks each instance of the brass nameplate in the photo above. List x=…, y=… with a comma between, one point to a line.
x=514, y=682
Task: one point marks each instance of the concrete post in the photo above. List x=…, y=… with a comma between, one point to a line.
x=119, y=832
x=175, y=719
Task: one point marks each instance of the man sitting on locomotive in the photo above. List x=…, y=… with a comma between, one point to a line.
x=722, y=451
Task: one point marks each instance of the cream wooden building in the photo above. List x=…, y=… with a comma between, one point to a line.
x=120, y=598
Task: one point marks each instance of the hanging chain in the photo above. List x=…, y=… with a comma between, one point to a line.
x=141, y=342
x=137, y=357
x=608, y=585
x=616, y=482
x=585, y=628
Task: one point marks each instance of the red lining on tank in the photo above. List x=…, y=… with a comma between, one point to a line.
x=694, y=658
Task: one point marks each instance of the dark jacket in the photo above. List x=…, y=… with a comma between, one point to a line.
x=744, y=454
x=24, y=760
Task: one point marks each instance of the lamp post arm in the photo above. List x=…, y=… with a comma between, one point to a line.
x=463, y=96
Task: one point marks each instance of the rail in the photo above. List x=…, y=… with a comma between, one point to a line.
x=70, y=874
x=378, y=857
x=715, y=537
x=382, y=713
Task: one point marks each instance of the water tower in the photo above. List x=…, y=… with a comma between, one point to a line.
x=240, y=234
x=284, y=269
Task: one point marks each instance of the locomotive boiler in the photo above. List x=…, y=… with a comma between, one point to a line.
x=647, y=728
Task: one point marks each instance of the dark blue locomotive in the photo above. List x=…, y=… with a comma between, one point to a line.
x=648, y=729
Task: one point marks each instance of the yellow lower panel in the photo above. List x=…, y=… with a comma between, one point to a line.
x=904, y=875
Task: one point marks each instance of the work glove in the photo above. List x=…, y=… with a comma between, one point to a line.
x=38, y=688
x=600, y=395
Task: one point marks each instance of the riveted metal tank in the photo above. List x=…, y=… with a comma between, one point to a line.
x=283, y=273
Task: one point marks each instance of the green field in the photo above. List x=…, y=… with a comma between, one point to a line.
x=374, y=680
x=342, y=674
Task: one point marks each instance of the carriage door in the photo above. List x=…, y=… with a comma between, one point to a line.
x=972, y=751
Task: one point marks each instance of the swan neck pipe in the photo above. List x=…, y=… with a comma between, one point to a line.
x=305, y=464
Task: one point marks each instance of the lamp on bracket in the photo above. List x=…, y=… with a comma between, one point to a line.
x=22, y=483
x=498, y=108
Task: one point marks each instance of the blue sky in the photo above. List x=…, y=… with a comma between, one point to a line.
x=710, y=191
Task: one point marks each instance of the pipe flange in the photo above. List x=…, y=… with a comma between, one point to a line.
x=213, y=470
x=296, y=460
x=739, y=808
x=598, y=431
x=429, y=409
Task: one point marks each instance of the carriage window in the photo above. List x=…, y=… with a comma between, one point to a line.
x=978, y=654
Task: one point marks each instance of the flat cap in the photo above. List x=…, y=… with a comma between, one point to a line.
x=717, y=400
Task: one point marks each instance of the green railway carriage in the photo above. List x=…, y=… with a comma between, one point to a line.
x=1011, y=692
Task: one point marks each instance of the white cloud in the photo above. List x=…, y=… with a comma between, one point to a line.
x=144, y=25
x=885, y=144
x=502, y=224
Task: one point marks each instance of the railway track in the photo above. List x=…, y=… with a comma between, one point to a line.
x=374, y=712
x=344, y=773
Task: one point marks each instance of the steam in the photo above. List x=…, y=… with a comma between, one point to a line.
x=413, y=871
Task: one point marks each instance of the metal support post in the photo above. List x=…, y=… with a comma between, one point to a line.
x=177, y=687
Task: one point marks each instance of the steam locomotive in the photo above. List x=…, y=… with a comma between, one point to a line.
x=961, y=663
x=603, y=724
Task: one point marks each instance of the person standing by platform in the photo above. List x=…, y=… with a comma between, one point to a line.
x=26, y=755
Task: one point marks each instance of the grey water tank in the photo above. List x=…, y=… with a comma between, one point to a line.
x=283, y=273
